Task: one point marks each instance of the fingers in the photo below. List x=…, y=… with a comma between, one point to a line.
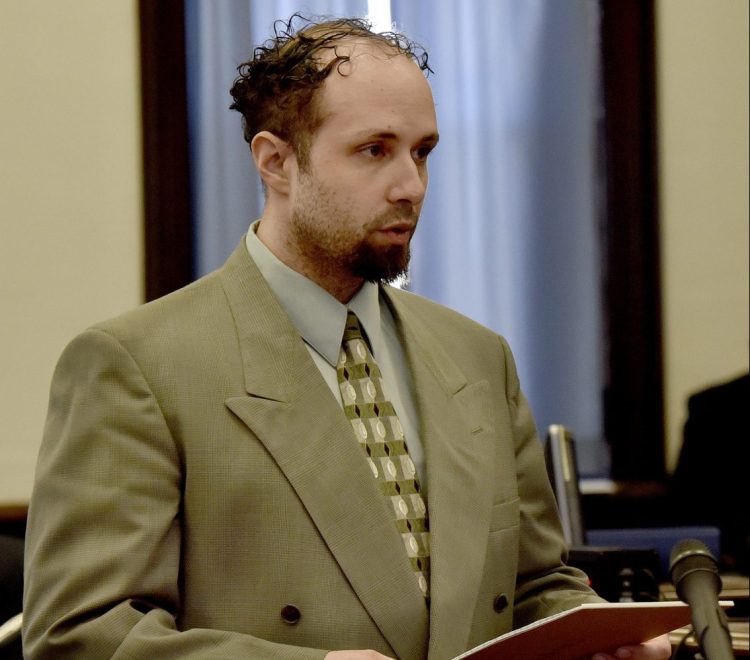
x=655, y=649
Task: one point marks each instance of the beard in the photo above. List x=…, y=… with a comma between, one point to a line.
x=331, y=239
x=379, y=264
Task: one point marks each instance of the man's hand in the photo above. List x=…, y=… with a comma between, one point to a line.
x=355, y=655
x=655, y=649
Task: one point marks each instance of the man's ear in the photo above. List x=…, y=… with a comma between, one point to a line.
x=273, y=158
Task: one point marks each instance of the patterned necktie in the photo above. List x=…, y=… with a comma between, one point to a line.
x=381, y=437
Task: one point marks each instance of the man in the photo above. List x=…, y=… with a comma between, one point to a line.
x=200, y=491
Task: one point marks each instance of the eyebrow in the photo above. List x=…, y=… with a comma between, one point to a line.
x=430, y=138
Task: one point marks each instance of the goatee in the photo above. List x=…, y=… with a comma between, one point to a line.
x=379, y=264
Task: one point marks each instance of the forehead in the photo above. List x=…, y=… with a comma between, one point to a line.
x=377, y=87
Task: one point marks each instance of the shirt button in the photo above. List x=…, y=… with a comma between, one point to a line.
x=501, y=602
x=290, y=614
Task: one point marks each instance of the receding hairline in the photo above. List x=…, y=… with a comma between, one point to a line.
x=322, y=113
x=351, y=47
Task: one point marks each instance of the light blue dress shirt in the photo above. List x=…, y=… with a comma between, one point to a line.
x=320, y=320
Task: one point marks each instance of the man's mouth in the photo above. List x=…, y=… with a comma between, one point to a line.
x=394, y=227
x=397, y=232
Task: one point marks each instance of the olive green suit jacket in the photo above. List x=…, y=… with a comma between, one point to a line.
x=199, y=493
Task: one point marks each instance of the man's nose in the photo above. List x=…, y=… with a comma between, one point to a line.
x=409, y=182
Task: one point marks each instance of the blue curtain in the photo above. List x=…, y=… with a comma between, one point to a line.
x=508, y=234
x=509, y=231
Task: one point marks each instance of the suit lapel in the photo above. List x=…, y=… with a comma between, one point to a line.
x=456, y=432
x=289, y=408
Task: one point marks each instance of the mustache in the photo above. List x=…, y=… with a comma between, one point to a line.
x=405, y=216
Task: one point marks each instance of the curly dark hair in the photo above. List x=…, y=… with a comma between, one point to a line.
x=275, y=90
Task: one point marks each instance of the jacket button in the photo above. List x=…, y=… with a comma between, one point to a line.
x=290, y=614
x=501, y=602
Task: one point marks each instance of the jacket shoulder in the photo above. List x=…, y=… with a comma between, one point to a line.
x=182, y=311
x=436, y=312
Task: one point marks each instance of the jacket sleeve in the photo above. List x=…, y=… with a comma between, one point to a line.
x=545, y=585
x=103, y=539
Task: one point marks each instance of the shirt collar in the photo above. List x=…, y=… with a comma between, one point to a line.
x=318, y=316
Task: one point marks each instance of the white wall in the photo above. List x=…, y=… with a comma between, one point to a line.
x=70, y=190
x=702, y=58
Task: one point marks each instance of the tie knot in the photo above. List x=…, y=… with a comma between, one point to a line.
x=353, y=329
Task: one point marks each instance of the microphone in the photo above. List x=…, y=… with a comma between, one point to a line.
x=695, y=575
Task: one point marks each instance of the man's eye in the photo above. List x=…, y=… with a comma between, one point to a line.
x=422, y=152
x=374, y=150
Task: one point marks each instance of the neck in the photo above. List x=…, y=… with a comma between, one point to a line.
x=325, y=273
x=342, y=290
